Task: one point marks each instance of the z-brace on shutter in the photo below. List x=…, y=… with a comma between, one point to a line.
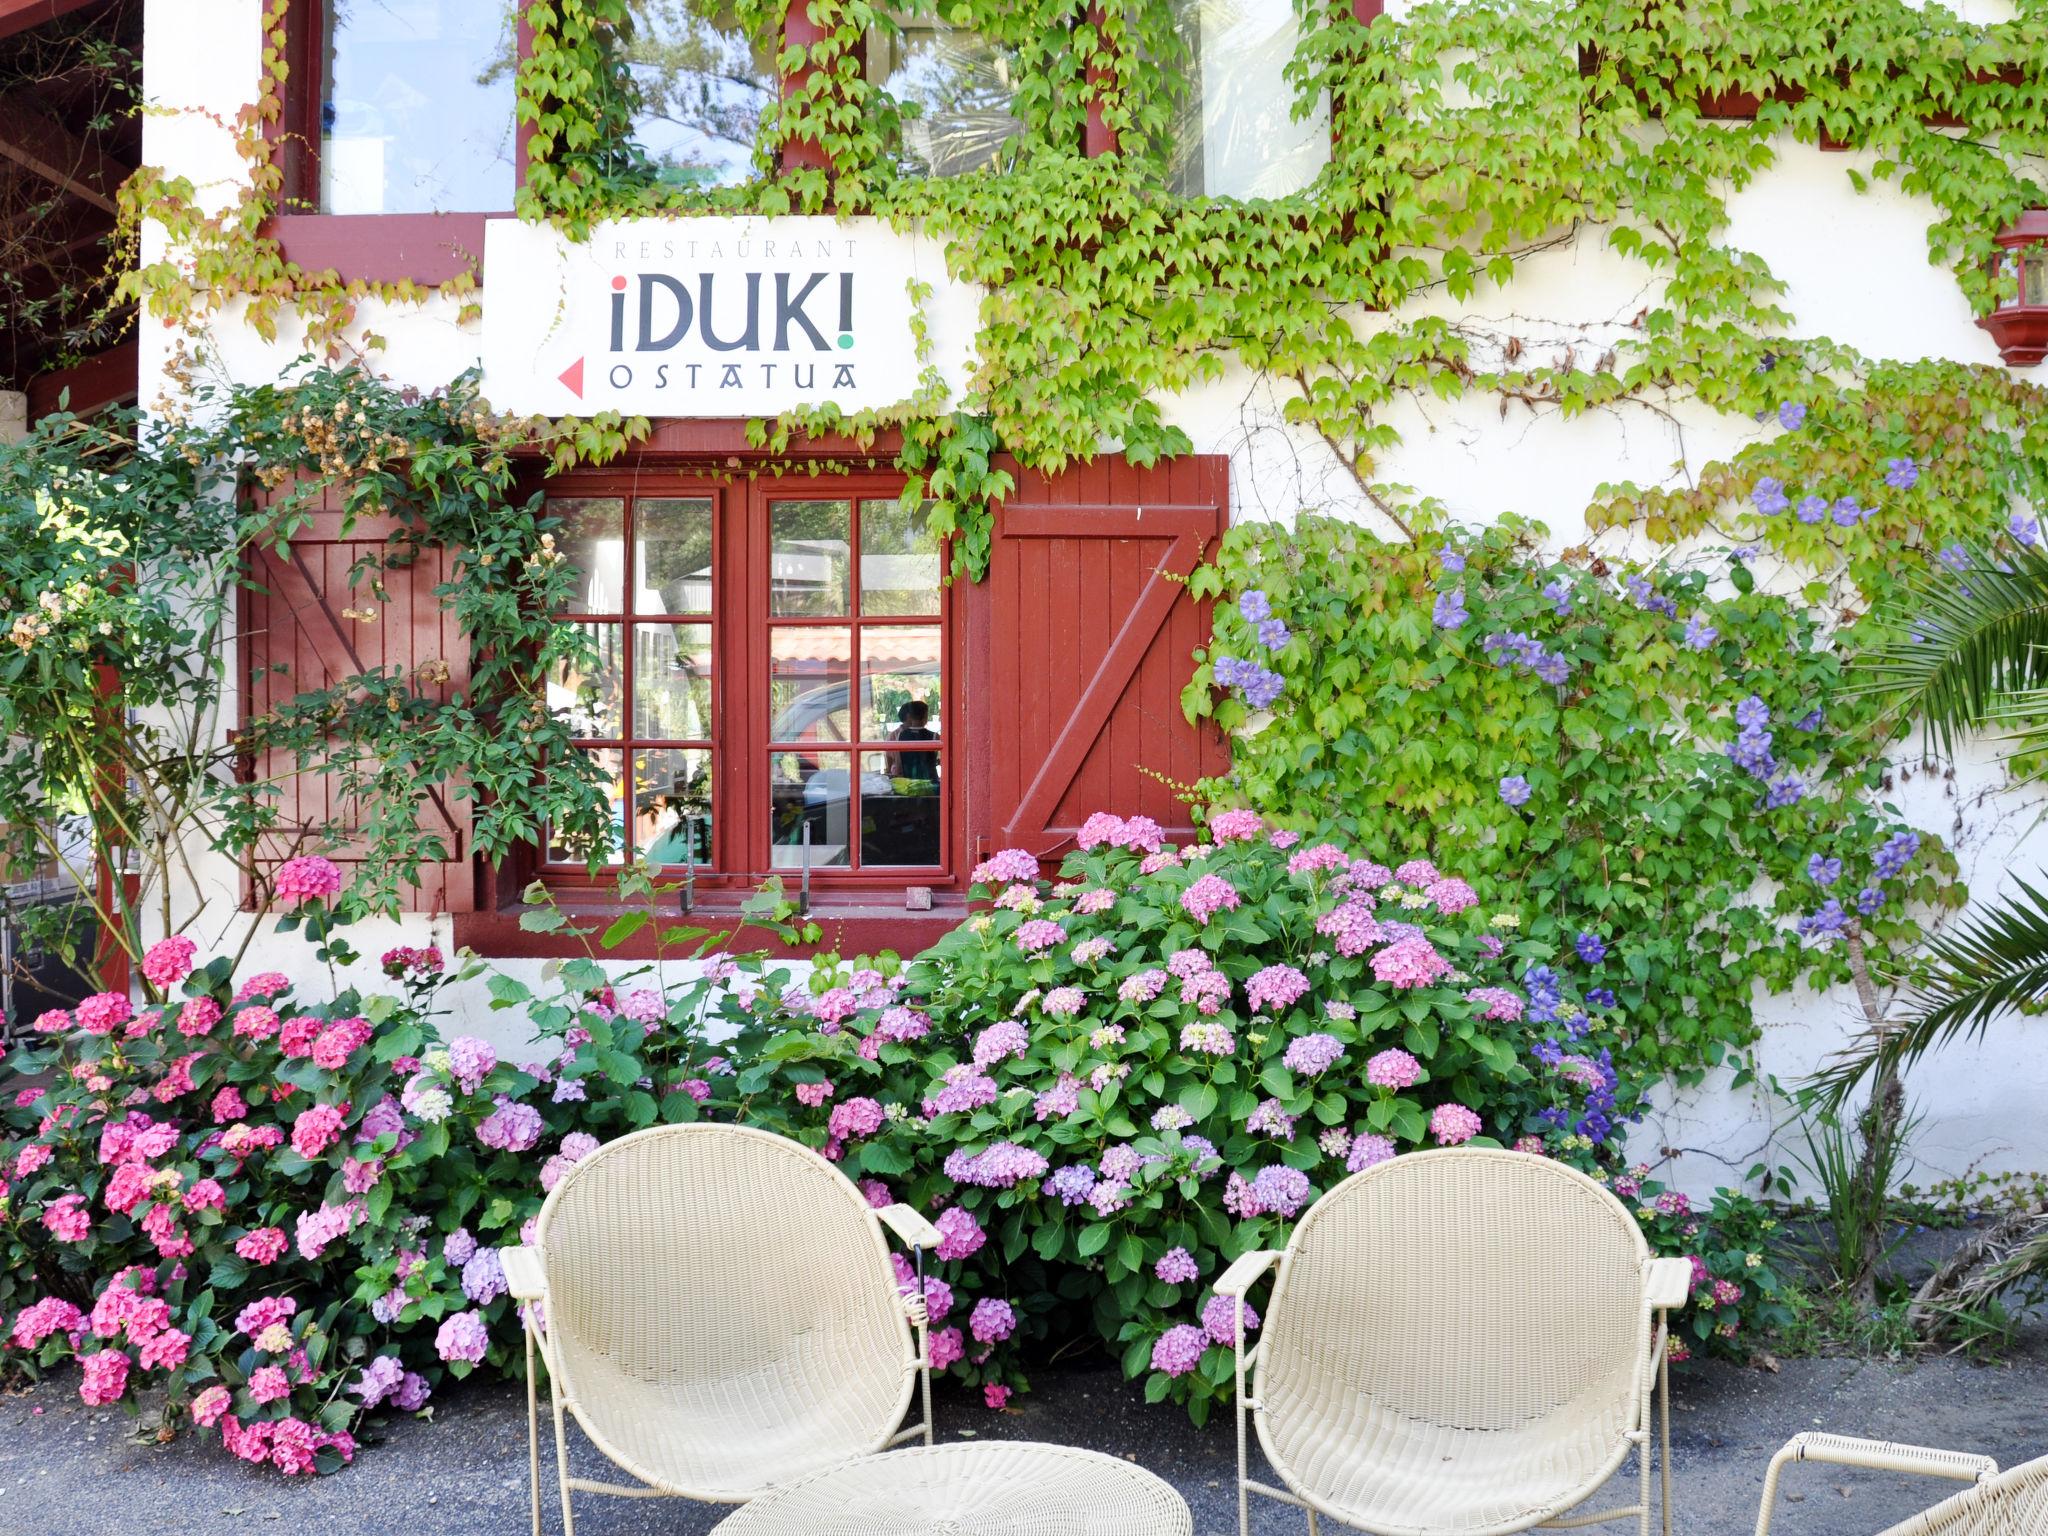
x=294, y=615
x=1091, y=635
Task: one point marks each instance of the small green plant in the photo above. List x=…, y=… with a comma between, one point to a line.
x=1855, y=1163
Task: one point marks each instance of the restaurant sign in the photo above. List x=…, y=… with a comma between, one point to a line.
x=701, y=316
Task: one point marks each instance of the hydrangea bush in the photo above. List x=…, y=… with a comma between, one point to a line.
x=1105, y=1088
x=281, y=1212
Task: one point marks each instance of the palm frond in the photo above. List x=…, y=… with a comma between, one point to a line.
x=1989, y=963
x=1965, y=643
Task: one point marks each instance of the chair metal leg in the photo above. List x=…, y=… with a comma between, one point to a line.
x=561, y=1457
x=1315, y=1526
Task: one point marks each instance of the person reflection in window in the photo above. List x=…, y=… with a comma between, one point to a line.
x=912, y=725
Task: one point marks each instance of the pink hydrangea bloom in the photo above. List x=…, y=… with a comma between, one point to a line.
x=947, y=1348
x=1179, y=1349
x=210, y=1404
x=1410, y=961
x=1219, y=1320
x=1274, y=988
x=293, y=1443
x=52, y=1021
x=256, y=1023
x=198, y=1017
x=1064, y=1002
x=1209, y=1039
x=855, y=1117
x=1000, y=1042
x=104, y=1012
x=169, y=961
x=1450, y=895
x=1176, y=1266
x=1453, y=1123
x=1009, y=865
x=315, y=1130
x=511, y=1127
x=318, y=1228
x=1206, y=993
x=1141, y=834
x=1142, y=986
x=1098, y=829
x=1393, y=1068
x=960, y=1234
x=462, y=1336
x=1352, y=926
x=106, y=1377
x=992, y=1321
x=263, y=984
x=1091, y=903
x=295, y=1036
x=265, y=1245
x=1317, y=856
x=307, y=878
x=471, y=1060
x=965, y=1089
x=1498, y=1003
x=1038, y=935
x=268, y=1383
x=1208, y=896
x=1235, y=826
x=811, y=1095
x=67, y=1218
x=340, y=1040
x=228, y=1105
x=995, y=1396
x=1058, y=1101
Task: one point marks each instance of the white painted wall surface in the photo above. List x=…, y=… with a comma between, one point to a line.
x=1858, y=271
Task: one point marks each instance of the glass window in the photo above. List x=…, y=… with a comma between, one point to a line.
x=653, y=643
x=703, y=86
x=1235, y=133
x=855, y=700
x=416, y=106
x=956, y=86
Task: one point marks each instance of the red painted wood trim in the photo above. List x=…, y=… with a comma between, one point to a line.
x=20, y=15
x=720, y=442
x=800, y=31
x=1368, y=11
x=847, y=930
x=427, y=248
x=98, y=382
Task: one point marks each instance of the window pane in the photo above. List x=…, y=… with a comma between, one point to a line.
x=961, y=84
x=561, y=851
x=590, y=699
x=809, y=670
x=703, y=85
x=899, y=808
x=808, y=568
x=593, y=536
x=416, y=106
x=899, y=682
x=899, y=560
x=672, y=806
x=672, y=682
x=673, y=569
x=1235, y=133
x=810, y=789
x=2034, y=276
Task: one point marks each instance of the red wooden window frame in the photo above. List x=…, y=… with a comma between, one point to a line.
x=741, y=749
x=362, y=247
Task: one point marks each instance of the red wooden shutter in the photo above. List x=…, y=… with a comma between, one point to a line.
x=294, y=616
x=1090, y=642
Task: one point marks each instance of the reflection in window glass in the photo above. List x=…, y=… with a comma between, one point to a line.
x=593, y=539
x=589, y=699
x=809, y=565
x=416, y=106
x=961, y=85
x=1235, y=133
x=671, y=682
x=899, y=808
x=899, y=682
x=672, y=806
x=673, y=548
x=899, y=561
x=815, y=790
x=610, y=767
x=809, y=670
x=703, y=86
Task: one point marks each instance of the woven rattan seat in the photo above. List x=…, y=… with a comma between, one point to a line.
x=717, y=1310
x=997, y=1488
x=1459, y=1343
x=2013, y=1503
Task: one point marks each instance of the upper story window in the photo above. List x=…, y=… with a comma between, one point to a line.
x=416, y=109
x=1234, y=132
x=704, y=84
x=961, y=86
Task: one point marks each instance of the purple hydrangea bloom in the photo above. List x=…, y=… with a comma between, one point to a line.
x=459, y=1246
x=992, y=1321
x=1071, y=1184
x=380, y=1379
x=471, y=1060
x=1177, y=1267
x=1313, y=1054
x=1179, y=1349
x=511, y=1127
x=1001, y=1166
x=412, y=1393
x=1280, y=1189
x=1219, y=1320
x=1367, y=1150
x=483, y=1277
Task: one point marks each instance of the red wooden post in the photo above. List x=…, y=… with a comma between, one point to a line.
x=800, y=31
x=1098, y=137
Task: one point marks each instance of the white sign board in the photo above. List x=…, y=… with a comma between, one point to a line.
x=701, y=316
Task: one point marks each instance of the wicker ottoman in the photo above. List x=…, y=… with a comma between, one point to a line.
x=996, y=1488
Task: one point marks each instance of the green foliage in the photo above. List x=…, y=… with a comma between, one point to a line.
x=1739, y=1301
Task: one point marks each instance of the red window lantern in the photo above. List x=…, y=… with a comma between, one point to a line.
x=2019, y=323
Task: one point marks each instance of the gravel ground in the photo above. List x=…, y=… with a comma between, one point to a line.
x=66, y=1470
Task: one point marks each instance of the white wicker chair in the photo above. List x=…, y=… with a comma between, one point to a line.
x=717, y=1310
x=2011, y=1503
x=1459, y=1343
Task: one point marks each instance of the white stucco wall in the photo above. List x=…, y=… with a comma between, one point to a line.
x=1857, y=269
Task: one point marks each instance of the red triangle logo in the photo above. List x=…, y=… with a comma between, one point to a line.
x=573, y=377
